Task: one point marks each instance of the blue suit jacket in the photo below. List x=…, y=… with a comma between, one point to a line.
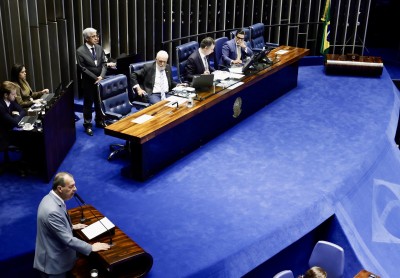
x=56, y=247
x=229, y=52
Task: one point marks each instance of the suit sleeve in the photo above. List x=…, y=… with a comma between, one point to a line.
x=21, y=101
x=249, y=50
x=63, y=232
x=103, y=63
x=12, y=121
x=191, y=68
x=80, y=59
x=225, y=55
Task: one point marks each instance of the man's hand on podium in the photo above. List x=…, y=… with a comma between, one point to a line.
x=100, y=246
x=79, y=226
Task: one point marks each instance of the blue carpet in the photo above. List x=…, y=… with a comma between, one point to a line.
x=326, y=148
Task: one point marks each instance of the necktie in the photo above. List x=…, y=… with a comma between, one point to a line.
x=205, y=63
x=239, y=52
x=68, y=217
x=93, y=53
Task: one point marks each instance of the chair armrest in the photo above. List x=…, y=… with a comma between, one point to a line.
x=140, y=104
x=114, y=115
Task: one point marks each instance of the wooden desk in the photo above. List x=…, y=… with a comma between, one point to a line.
x=353, y=64
x=174, y=132
x=125, y=259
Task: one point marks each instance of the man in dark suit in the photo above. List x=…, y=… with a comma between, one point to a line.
x=154, y=80
x=56, y=246
x=10, y=111
x=93, y=67
x=198, y=62
x=236, y=50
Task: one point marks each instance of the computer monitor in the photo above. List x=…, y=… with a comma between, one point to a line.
x=203, y=82
x=259, y=57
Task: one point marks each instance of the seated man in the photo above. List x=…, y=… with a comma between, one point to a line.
x=10, y=112
x=236, y=50
x=155, y=78
x=198, y=62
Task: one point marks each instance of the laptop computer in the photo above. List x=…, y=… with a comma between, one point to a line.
x=203, y=82
x=48, y=97
x=27, y=120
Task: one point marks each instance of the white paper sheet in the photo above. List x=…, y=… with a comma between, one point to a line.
x=97, y=228
x=142, y=119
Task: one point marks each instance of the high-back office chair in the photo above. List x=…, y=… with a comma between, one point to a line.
x=115, y=104
x=257, y=40
x=7, y=164
x=218, y=51
x=284, y=274
x=183, y=52
x=330, y=257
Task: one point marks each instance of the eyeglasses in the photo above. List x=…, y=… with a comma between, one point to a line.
x=94, y=36
x=240, y=38
x=161, y=62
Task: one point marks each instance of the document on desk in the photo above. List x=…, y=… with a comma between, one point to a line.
x=221, y=75
x=142, y=119
x=97, y=228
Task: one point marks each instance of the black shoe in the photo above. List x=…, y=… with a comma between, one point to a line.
x=100, y=124
x=89, y=131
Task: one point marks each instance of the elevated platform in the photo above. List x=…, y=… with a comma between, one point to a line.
x=323, y=151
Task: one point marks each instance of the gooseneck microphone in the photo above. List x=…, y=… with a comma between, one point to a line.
x=80, y=203
x=77, y=197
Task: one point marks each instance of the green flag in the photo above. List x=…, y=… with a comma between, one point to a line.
x=326, y=19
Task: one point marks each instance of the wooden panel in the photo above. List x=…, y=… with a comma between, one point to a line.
x=36, y=58
x=64, y=52
x=44, y=67
x=55, y=67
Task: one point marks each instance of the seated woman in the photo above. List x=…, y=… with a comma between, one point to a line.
x=25, y=96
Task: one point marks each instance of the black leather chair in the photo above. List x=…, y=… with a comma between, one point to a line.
x=183, y=52
x=115, y=104
x=218, y=52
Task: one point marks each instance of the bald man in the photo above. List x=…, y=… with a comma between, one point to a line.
x=154, y=80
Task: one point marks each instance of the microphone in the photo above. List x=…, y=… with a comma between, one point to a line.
x=79, y=198
x=76, y=195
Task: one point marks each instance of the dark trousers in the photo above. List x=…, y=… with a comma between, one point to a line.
x=90, y=96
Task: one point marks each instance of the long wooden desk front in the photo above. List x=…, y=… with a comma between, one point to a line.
x=174, y=132
x=124, y=259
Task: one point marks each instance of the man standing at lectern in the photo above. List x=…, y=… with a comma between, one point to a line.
x=56, y=247
x=93, y=67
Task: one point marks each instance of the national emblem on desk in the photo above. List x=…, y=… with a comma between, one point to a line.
x=237, y=107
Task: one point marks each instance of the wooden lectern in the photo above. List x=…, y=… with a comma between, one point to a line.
x=124, y=259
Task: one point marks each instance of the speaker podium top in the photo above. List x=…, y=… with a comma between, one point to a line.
x=124, y=259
